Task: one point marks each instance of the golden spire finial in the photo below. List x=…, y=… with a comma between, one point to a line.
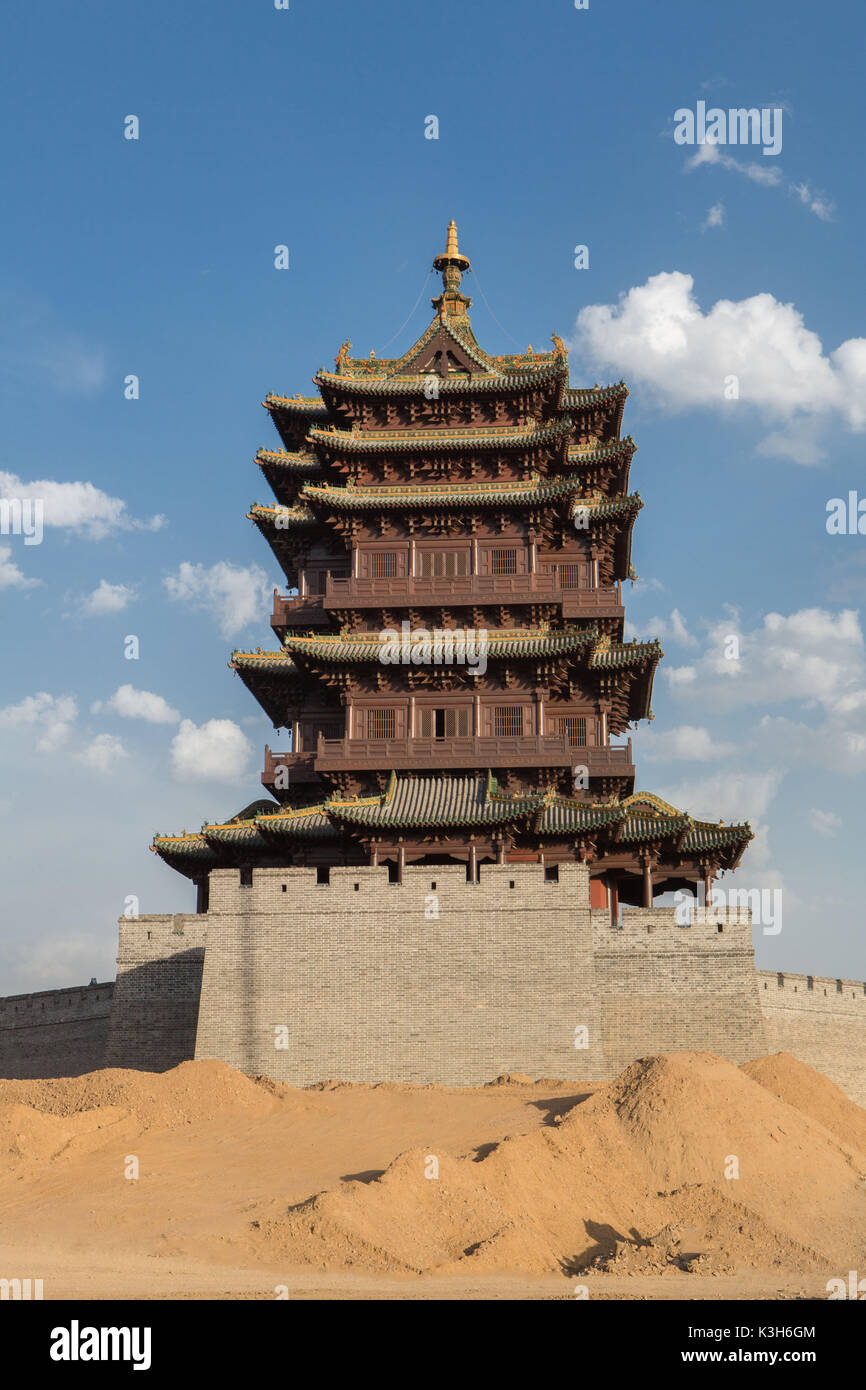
x=451, y=255
x=452, y=265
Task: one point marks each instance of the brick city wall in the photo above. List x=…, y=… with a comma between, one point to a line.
x=821, y=1021
x=669, y=988
x=159, y=965
x=58, y=1032
x=435, y=979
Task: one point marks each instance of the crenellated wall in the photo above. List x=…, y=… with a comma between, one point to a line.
x=159, y=966
x=437, y=979
x=432, y=980
x=57, y=1032
x=683, y=988
x=821, y=1021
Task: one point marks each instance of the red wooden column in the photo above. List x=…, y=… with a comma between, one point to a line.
x=708, y=876
x=646, y=861
x=613, y=895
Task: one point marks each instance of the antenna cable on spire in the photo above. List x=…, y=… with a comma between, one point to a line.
x=493, y=316
x=414, y=307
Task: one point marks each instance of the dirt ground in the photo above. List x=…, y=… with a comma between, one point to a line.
x=686, y=1178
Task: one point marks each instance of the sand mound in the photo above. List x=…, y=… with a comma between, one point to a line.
x=682, y=1138
x=192, y=1092
x=816, y=1095
x=684, y=1163
x=708, y=1234
x=29, y=1137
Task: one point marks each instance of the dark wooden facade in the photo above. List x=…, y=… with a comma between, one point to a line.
x=454, y=530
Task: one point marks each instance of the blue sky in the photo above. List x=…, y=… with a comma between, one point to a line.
x=305, y=127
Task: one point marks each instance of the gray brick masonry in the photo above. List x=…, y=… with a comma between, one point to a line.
x=440, y=980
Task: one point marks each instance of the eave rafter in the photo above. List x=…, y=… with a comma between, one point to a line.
x=436, y=806
x=551, y=435
x=560, y=658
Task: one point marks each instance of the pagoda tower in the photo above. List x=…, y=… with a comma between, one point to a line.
x=454, y=529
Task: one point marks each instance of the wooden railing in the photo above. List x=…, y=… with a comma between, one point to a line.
x=444, y=590
x=457, y=753
x=298, y=611
x=528, y=750
x=300, y=767
x=539, y=586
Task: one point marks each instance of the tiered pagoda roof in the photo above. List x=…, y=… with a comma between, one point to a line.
x=495, y=471
x=435, y=803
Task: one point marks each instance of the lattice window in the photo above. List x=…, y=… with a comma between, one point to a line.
x=381, y=723
x=457, y=722
x=445, y=723
x=569, y=576
x=383, y=564
x=503, y=562
x=574, y=728
x=507, y=721
x=444, y=562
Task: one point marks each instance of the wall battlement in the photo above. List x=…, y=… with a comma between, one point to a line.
x=433, y=979
x=822, y=1021
x=649, y=930
x=56, y=1032
x=439, y=979
x=814, y=991
x=159, y=967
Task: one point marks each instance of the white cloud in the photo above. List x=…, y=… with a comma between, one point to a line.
x=815, y=202
x=715, y=217
x=50, y=718
x=659, y=337
x=731, y=796
x=812, y=659
x=11, y=577
x=686, y=742
x=824, y=822
x=102, y=754
x=829, y=745
x=234, y=595
x=106, y=598
x=812, y=656
x=673, y=629
x=680, y=676
x=78, y=507
x=138, y=704
x=800, y=442
x=216, y=751
x=769, y=175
